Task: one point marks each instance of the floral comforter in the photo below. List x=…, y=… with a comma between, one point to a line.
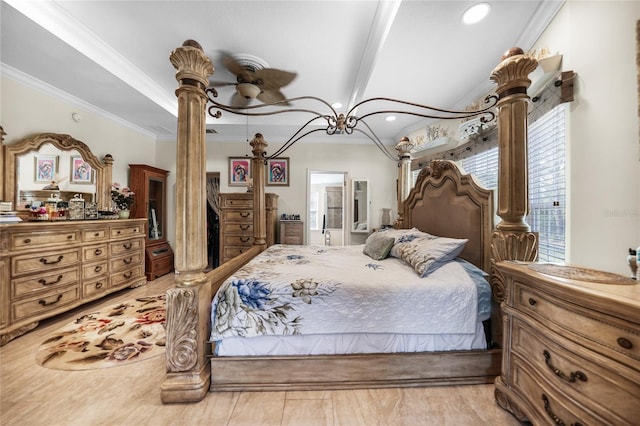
x=289, y=290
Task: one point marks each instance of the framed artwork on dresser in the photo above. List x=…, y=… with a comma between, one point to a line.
x=46, y=168
x=81, y=171
x=277, y=172
x=239, y=171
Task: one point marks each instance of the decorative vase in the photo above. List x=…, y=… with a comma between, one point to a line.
x=123, y=214
x=386, y=217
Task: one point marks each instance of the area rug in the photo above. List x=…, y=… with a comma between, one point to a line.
x=128, y=332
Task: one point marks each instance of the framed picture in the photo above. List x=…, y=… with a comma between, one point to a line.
x=277, y=172
x=81, y=171
x=46, y=168
x=239, y=171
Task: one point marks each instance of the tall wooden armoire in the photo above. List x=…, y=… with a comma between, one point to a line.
x=150, y=187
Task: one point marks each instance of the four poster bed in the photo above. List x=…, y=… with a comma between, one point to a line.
x=444, y=208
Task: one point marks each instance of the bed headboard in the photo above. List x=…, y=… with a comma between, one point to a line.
x=446, y=203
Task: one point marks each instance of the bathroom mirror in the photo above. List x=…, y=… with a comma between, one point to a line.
x=360, y=209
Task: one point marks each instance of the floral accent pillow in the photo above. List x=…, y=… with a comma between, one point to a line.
x=378, y=246
x=403, y=236
x=427, y=254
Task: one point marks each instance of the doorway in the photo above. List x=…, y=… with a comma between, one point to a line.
x=326, y=192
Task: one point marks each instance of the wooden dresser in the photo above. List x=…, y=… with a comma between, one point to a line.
x=571, y=346
x=236, y=223
x=47, y=268
x=292, y=232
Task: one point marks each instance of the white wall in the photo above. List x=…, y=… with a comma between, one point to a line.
x=359, y=161
x=597, y=41
x=26, y=111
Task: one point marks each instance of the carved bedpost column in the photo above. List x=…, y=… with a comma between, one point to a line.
x=104, y=199
x=512, y=239
x=258, y=146
x=194, y=69
x=188, y=374
x=2, y=134
x=404, y=148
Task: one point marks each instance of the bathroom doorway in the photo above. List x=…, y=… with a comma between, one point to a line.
x=326, y=192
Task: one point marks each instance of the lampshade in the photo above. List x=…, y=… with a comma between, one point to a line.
x=248, y=90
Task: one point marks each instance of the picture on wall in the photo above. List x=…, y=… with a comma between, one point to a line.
x=46, y=168
x=239, y=171
x=277, y=172
x=81, y=171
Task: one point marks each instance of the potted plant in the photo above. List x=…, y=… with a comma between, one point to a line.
x=123, y=198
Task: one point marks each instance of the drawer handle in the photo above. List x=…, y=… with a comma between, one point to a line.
x=244, y=214
x=45, y=303
x=245, y=227
x=70, y=237
x=571, y=378
x=625, y=343
x=46, y=261
x=127, y=261
x=97, y=268
x=97, y=234
x=26, y=240
x=556, y=419
x=127, y=246
x=44, y=282
x=99, y=285
x=245, y=239
x=98, y=252
x=128, y=274
x=532, y=301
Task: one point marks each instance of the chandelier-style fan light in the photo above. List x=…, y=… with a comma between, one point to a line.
x=254, y=80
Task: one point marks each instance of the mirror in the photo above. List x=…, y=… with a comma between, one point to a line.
x=54, y=165
x=360, y=197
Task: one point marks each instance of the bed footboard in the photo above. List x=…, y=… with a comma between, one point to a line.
x=188, y=328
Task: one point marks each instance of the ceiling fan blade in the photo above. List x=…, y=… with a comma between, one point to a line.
x=237, y=69
x=239, y=101
x=271, y=96
x=221, y=83
x=273, y=79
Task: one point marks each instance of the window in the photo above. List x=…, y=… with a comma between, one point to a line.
x=547, y=185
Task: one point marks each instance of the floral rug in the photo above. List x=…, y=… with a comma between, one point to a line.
x=120, y=334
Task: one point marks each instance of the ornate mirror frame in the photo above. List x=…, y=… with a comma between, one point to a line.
x=63, y=142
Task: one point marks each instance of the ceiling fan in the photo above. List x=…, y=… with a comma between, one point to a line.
x=255, y=80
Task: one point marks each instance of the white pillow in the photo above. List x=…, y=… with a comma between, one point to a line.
x=427, y=254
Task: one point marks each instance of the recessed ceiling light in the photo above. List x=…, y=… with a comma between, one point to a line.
x=336, y=105
x=390, y=118
x=476, y=13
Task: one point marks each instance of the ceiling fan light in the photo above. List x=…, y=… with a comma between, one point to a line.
x=248, y=90
x=476, y=13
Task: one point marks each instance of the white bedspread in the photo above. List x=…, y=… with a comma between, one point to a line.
x=301, y=290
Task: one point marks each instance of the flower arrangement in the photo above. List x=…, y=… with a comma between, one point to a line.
x=122, y=197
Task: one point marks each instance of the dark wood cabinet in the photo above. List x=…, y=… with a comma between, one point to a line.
x=150, y=187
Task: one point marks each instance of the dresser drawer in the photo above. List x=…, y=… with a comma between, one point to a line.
x=582, y=379
x=608, y=335
x=25, y=264
x=95, y=287
x=20, y=241
x=44, y=282
x=125, y=262
x=33, y=307
x=126, y=231
x=237, y=228
x=238, y=240
x=125, y=247
x=550, y=406
x=239, y=202
x=123, y=277
x=94, y=270
x=237, y=216
x=92, y=253
x=232, y=251
x=94, y=235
